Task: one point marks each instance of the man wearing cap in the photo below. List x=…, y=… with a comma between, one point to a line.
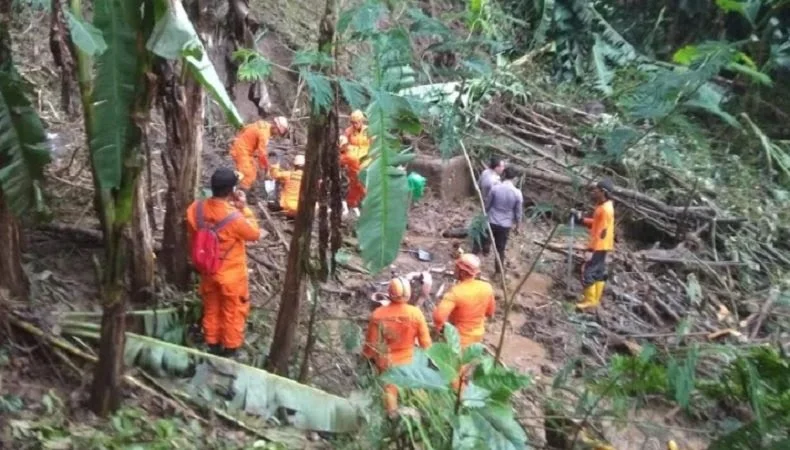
x=291, y=181
x=600, y=243
x=251, y=143
x=225, y=294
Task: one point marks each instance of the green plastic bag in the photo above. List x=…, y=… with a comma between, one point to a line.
x=416, y=185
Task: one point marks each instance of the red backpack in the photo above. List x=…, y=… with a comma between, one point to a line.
x=205, y=244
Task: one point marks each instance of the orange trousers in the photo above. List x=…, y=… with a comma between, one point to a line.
x=356, y=192
x=224, y=314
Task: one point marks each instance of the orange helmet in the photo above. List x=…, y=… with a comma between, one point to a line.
x=357, y=116
x=281, y=123
x=468, y=263
x=399, y=290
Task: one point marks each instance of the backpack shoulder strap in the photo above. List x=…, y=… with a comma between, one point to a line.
x=201, y=222
x=228, y=219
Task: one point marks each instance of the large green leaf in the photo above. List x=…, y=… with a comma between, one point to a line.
x=492, y=428
x=175, y=37
x=115, y=88
x=85, y=36
x=384, y=210
x=23, y=148
x=417, y=375
x=255, y=391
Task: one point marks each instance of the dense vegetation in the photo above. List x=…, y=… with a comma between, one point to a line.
x=691, y=122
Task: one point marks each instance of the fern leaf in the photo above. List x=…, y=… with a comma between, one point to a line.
x=320, y=89
x=353, y=92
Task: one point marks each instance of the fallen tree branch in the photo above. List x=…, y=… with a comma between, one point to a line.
x=766, y=308
x=61, y=344
x=273, y=225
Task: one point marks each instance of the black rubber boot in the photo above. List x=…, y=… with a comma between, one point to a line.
x=215, y=349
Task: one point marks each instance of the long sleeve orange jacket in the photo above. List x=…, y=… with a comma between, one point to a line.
x=251, y=143
x=466, y=305
x=232, y=238
x=392, y=332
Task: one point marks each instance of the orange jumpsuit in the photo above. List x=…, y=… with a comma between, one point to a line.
x=358, y=143
x=289, y=195
x=390, y=338
x=251, y=142
x=466, y=306
x=356, y=190
x=226, y=294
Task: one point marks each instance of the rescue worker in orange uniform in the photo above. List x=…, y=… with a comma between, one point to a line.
x=600, y=243
x=467, y=304
x=351, y=164
x=226, y=294
x=391, y=334
x=357, y=135
x=251, y=143
x=291, y=181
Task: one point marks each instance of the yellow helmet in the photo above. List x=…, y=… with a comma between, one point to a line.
x=281, y=123
x=399, y=290
x=468, y=263
x=357, y=116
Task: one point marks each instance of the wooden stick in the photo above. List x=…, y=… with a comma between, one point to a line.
x=773, y=296
x=502, y=278
x=512, y=298
x=273, y=225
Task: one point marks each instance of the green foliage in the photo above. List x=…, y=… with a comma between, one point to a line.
x=129, y=428
x=23, y=145
x=252, y=65
x=483, y=418
x=174, y=37
x=384, y=210
x=115, y=91
x=85, y=36
x=253, y=389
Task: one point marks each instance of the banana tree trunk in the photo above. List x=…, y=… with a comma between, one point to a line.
x=12, y=277
x=183, y=111
x=299, y=253
x=141, y=268
x=106, y=388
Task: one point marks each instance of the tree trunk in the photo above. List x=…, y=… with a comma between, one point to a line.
x=106, y=387
x=12, y=277
x=183, y=111
x=299, y=253
x=141, y=269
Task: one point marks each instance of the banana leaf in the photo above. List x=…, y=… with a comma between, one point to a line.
x=23, y=145
x=115, y=89
x=253, y=391
x=174, y=37
x=384, y=210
